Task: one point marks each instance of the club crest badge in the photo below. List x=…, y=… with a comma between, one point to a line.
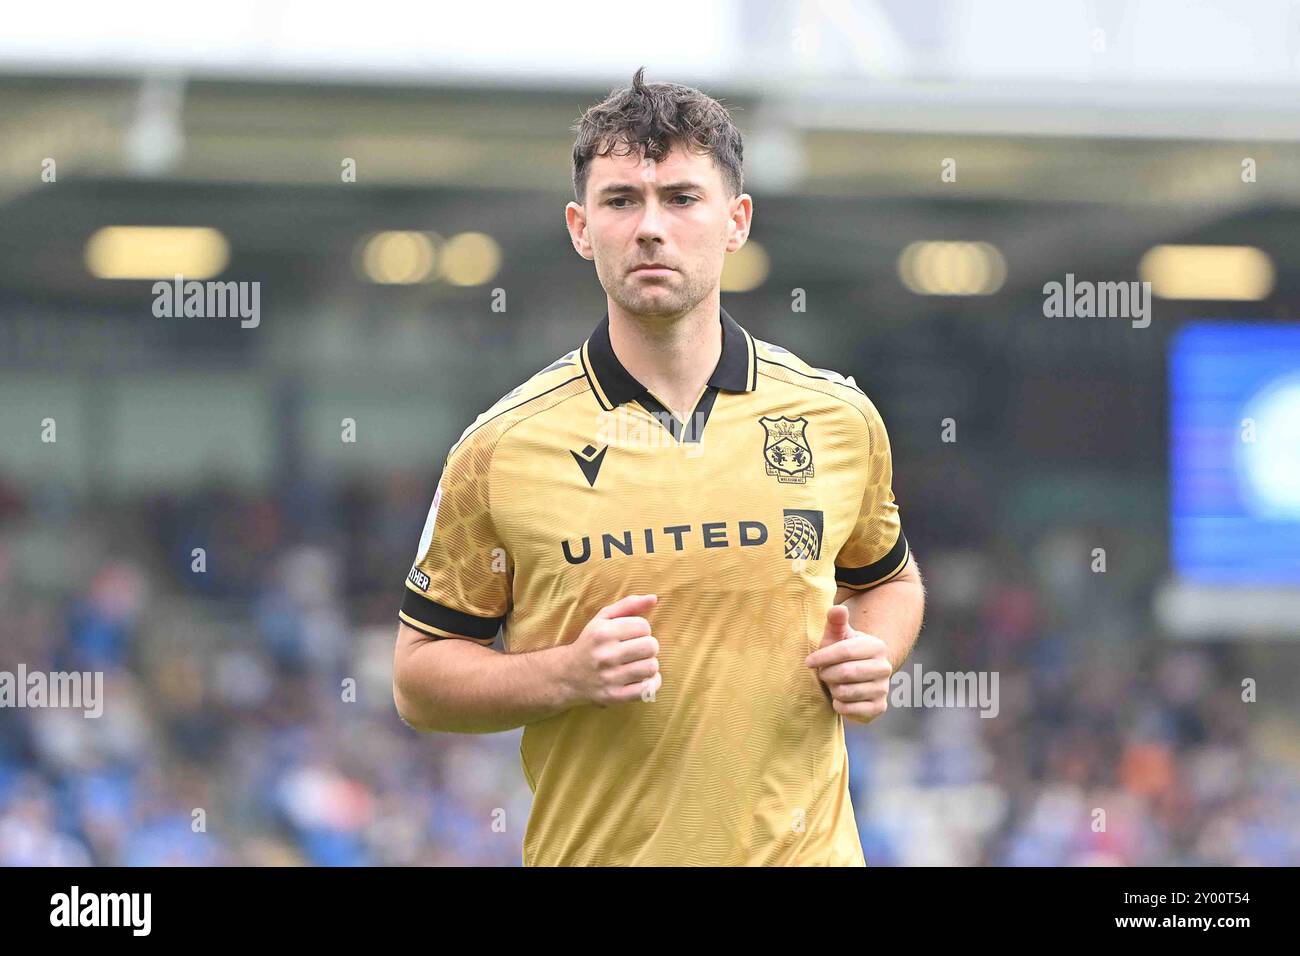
x=786, y=451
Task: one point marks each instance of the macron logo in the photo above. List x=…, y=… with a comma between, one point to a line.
x=589, y=461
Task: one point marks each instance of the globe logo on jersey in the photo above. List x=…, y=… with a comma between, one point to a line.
x=803, y=534
x=786, y=450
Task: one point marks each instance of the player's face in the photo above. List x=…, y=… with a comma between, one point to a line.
x=674, y=214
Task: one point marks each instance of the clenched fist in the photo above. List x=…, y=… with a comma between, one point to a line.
x=614, y=660
x=854, y=668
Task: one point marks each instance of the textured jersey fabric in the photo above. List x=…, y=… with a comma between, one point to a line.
x=578, y=488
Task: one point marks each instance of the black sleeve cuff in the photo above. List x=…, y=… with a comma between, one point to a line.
x=421, y=610
x=877, y=572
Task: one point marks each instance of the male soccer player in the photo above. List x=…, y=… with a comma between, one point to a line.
x=688, y=534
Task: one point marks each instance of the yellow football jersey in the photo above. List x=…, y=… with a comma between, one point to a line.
x=578, y=488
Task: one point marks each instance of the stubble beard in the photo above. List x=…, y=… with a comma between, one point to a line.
x=658, y=299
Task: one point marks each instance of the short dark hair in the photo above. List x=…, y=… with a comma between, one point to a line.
x=656, y=117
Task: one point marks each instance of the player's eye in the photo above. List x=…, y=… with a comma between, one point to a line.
x=618, y=199
x=689, y=199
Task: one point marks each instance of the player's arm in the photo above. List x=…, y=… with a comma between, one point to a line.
x=876, y=572
x=458, y=596
x=892, y=611
x=880, y=600
x=461, y=686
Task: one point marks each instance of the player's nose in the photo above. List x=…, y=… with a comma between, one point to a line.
x=650, y=225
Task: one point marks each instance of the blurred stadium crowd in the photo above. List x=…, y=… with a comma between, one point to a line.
x=227, y=692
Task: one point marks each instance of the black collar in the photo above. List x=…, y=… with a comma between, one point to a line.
x=737, y=369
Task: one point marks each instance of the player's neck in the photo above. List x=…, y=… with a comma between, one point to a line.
x=673, y=356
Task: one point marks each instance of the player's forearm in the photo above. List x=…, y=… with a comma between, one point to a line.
x=461, y=687
x=893, y=612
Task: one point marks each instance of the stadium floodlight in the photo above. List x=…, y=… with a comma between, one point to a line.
x=156, y=252
x=952, y=268
x=1208, y=273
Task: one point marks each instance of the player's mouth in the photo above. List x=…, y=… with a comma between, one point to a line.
x=652, y=269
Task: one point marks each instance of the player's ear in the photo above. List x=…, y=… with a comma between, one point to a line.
x=742, y=214
x=575, y=217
